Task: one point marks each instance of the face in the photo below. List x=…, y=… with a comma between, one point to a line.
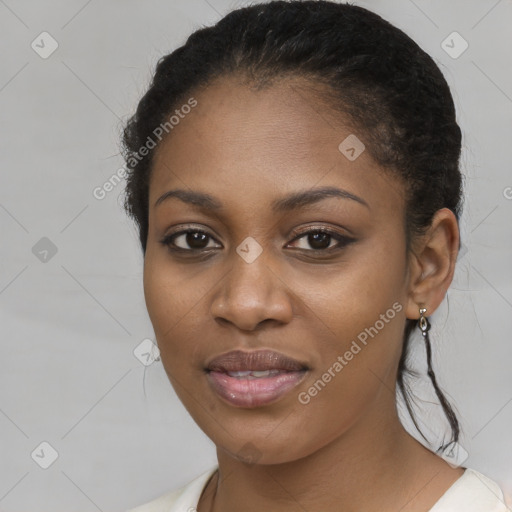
x=321, y=280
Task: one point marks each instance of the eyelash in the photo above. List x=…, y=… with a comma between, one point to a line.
x=342, y=240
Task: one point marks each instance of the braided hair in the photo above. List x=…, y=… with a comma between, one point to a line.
x=371, y=71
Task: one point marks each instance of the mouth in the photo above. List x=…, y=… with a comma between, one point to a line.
x=254, y=379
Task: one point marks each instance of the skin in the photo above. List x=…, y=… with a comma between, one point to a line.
x=346, y=449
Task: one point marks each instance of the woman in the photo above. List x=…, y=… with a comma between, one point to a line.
x=294, y=174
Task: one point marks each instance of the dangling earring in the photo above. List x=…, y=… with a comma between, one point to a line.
x=424, y=326
x=423, y=323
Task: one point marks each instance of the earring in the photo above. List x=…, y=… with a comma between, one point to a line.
x=424, y=326
x=423, y=322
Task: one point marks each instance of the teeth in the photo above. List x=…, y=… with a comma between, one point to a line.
x=263, y=373
x=239, y=374
x=254, y=374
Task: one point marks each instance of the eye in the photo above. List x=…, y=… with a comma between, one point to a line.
x=320, y=238
x=196, y=239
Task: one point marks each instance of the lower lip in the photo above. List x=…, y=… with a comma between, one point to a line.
x=250, y=393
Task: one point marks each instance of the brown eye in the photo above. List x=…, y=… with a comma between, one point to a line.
x=320, y=239
x=190, y=240
x=196, y=240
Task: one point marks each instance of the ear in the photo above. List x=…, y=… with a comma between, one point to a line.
x=432, y=264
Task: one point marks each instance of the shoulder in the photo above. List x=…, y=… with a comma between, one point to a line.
x=472, y=492
x=183, y=499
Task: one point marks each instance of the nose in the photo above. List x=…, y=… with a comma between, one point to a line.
x=251, y=294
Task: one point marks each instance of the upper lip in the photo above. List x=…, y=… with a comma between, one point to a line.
x=260, y=360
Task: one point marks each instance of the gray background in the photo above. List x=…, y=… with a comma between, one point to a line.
x=70, y=324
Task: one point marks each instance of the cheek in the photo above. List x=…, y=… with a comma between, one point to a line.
x=159, y=299
x=347, y=298
x=176, y=303
x=359, y=314
x=165, y=302
x=165, y=291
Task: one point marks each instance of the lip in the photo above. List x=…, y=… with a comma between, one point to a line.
x=258, y=360
x=250, y=391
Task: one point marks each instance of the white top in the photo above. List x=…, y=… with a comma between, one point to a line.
x=472, y=492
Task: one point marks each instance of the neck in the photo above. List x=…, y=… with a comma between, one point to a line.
x=374, y=465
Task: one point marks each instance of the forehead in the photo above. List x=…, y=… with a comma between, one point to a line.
x=240, y=142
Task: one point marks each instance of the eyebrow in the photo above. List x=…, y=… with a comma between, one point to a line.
x=291, y=202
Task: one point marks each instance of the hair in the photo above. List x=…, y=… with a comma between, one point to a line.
x=390, y=90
